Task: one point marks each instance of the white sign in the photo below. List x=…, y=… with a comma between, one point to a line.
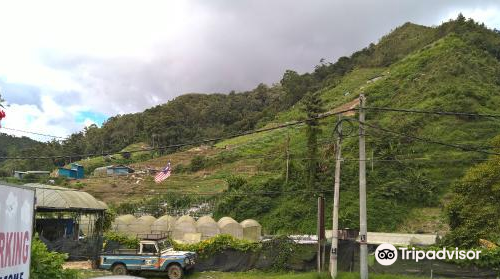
x=16, y=229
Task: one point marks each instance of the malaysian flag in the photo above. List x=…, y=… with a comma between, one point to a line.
x=164, y=174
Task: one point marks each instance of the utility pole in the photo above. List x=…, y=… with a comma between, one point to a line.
x=153, y=147
x=363, y=248
x=320, y=231
x=336, y=200
x=287, y=156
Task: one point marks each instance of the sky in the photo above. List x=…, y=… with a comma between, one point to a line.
x=68, y=64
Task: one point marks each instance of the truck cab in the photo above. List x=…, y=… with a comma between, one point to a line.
x=152, y=254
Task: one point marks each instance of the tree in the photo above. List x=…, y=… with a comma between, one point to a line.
x=475, y=207
x=296, y=85
x=312, y=107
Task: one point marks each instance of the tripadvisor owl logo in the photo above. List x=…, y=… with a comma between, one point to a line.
x=386, y=254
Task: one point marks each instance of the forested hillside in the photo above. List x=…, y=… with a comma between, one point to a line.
x=10, y=146
x=451, y=67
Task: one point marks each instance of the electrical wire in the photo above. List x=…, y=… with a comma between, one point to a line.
x=33, y=133
x=456, y=146
x=452, y=113
x=179, y=145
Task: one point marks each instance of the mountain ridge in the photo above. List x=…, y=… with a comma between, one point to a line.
x=453, y=67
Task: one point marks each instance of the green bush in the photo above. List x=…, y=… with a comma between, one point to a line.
x=281, y=250
x=197, y=163
x=235, y=182
x=46, y=264
x=217, y=244
x=125, y=240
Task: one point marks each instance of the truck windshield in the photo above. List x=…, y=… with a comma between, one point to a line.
x=164, y=245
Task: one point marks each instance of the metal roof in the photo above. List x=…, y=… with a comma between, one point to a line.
x=54, y=198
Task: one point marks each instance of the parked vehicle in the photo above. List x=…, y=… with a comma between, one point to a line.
x=155, y=253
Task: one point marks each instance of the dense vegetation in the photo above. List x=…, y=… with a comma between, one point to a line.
x=452, y=67
x=46, y=264
x=458, y=71
x=475, y=206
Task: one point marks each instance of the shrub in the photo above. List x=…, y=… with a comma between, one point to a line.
x=46, y=264
x=197, y=163
x=122, y=239
x=217, y=244
x=235, y=182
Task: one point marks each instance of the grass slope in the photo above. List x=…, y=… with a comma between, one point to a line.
x=446, y=74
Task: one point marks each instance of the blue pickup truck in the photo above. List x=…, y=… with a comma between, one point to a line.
x=151, y=255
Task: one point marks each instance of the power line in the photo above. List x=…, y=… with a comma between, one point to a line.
x=179, y=145
x=33, y=133
x=470, y=114
x=461, y=147
x=239, y=134
x=396, y=160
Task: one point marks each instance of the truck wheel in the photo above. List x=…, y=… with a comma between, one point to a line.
x=119, y=269
x=174, y=271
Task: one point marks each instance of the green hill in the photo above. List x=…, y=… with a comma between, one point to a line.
x=11, y=146
x=452, y=67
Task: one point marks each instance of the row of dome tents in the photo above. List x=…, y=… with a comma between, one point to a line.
x=187, y=229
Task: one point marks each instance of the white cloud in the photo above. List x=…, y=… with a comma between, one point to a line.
x=48, y=118
x=120, y=56
x=488, y=15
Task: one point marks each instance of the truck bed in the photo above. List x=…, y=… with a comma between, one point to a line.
x=122, y=252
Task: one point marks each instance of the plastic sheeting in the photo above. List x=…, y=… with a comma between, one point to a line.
x=142, y=225
x=207, y=227
x=252, y=230
x=54, y=198
x=122, y=223
x=164, y=224
x=228, y=225
x=185, y=224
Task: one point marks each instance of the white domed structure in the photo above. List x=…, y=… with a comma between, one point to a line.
x=207, y=227
x=122, y=223
x=184, y=225
x=228, y=225
x=164, y=224
x=142, y=225
x=186, y=218
x=252, y=230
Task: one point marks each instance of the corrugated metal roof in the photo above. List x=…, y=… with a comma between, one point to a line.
x=53, y=198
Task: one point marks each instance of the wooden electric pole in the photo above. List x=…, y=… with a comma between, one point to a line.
x=363, y=248
x=336, y=200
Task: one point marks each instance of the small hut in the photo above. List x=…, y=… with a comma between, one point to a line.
x=61, y=214
x=112, y=170
x=164, y=224
x=185, y=224
x=207, y=227
x=228, y=225
x=252, y=230
x=142, y=225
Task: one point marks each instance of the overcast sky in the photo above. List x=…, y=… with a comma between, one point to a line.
x=67, y=64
